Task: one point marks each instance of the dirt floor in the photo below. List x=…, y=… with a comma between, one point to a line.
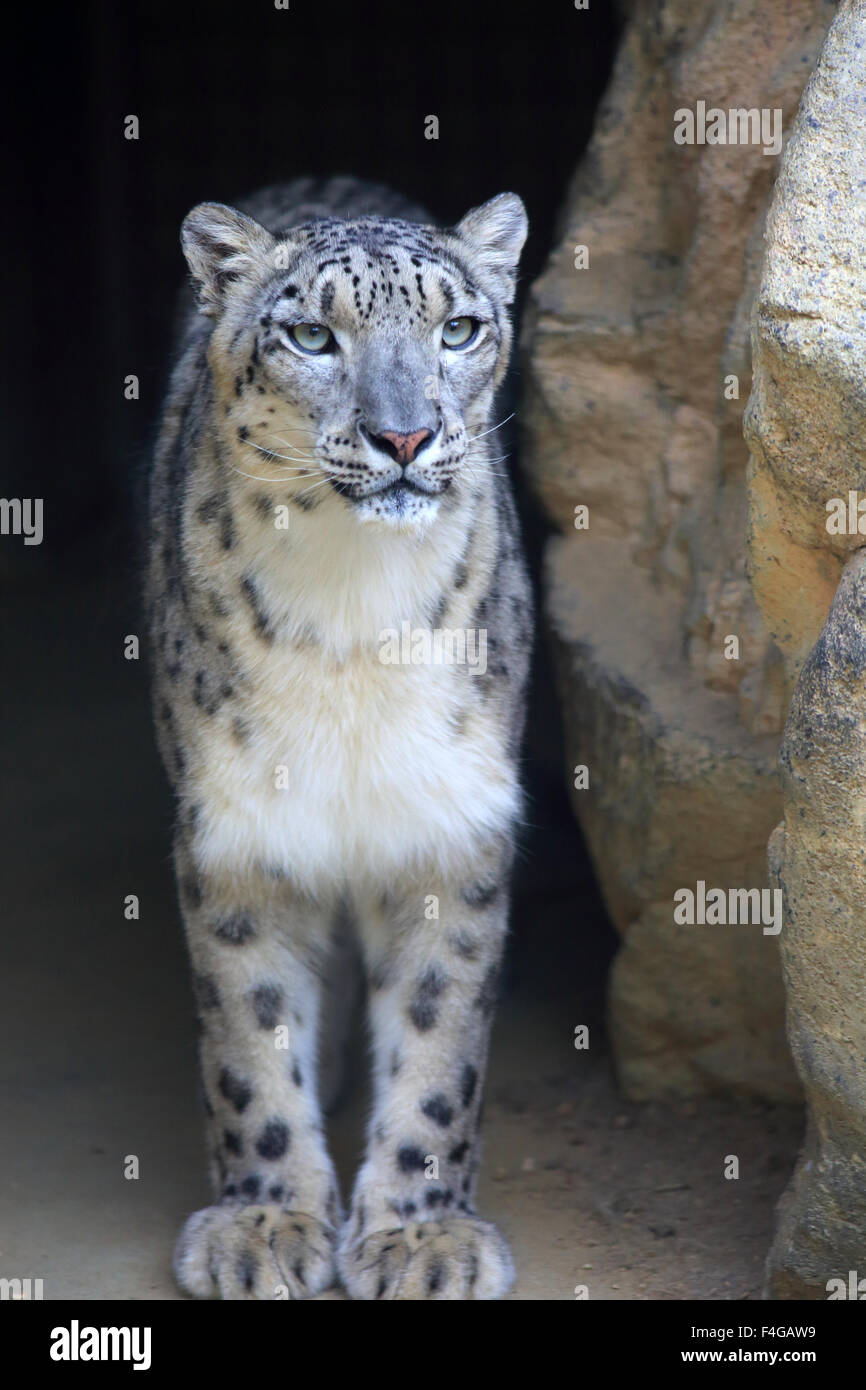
x=97, y=1050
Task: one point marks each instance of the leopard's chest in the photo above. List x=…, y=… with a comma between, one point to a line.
x=352, y=768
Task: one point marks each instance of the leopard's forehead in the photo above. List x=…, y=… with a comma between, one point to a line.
x=364, y=271
x=379, y=236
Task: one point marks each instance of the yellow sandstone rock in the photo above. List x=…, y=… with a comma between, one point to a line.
x=637, y=369
x=806, y=422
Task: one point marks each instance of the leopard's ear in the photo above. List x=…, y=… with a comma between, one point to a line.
x=222, y=246
x=496, y=232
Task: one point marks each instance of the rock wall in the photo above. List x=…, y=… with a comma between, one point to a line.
x=637, y=370
x=806, y=422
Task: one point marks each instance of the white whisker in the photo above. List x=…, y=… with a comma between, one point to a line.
x=492, y=429
x=271, y=453
x=304, y=473
x=312, y=487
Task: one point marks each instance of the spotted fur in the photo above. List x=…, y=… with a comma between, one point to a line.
x=333, y=807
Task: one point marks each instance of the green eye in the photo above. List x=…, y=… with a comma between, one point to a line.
x=311, y=337
x=457, y=333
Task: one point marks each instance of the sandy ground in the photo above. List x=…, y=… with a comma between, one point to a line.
x=97, y=1057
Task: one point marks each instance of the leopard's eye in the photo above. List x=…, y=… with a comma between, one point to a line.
x=311, y=337
x=459, y=333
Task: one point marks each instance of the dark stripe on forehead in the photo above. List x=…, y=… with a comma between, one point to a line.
x=447, y=295
x=326, y=299
x=456, y=265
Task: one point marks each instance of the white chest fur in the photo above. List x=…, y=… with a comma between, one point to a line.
x=351, y=767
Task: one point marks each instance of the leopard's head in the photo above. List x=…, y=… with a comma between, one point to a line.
x=358, y=360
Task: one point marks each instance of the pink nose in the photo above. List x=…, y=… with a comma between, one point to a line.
x=404, y=447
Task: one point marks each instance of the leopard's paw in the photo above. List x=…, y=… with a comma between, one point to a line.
x=456, y=1259
x=237, y=1252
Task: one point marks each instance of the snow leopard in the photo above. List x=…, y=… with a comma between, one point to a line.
x=327, y=491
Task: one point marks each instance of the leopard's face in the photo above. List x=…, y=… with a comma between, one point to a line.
x=360, y=358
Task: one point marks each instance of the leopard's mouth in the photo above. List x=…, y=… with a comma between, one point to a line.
x=396, y=493
x=400, y=487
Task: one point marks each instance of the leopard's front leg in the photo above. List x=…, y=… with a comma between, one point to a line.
x=433, y=953
x=257, y=951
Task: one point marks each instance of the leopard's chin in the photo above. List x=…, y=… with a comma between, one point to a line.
x=401, y=505
x=405, y=510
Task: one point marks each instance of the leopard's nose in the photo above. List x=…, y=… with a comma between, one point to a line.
x=402, y=447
